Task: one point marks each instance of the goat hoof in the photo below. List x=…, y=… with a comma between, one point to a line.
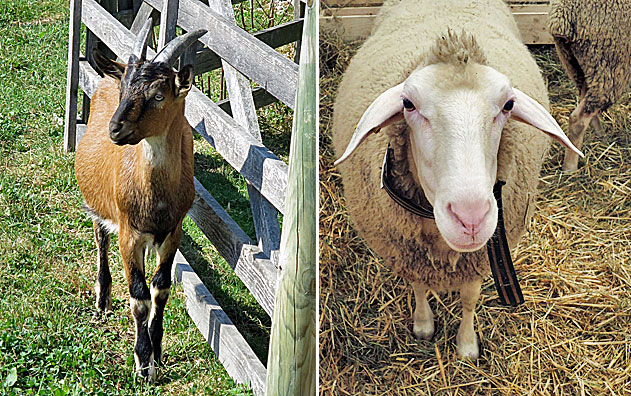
x=147, y=373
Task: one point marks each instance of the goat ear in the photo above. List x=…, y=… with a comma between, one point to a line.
x=106, y=66
x=384, y=110
x=183, y=81
x=529, y=111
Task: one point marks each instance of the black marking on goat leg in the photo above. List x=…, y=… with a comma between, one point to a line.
x=138, y=286
x=103, y=285
x=160, y=290
x=142, y=348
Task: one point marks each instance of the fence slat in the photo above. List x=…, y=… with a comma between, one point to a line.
x=168, y=22
x=264, y=214
x=255, y=162
x=291, y=362
x=272, y=71
x=274, y=37
x=223, y=337
x=256, y=271
x=70, y=122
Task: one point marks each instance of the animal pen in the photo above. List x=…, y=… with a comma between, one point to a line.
x=353, y=19
x=231, y=127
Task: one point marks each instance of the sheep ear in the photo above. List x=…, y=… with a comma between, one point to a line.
x=529, y=111
x=386, y=109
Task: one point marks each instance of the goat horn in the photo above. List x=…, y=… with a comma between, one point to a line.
x=176, y=47
x=140, y=47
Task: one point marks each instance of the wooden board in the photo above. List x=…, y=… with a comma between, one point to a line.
x=256, y=271
x=354, y=22
x=272, y=71
x=264, y=214
x=223, y=337
x=72, y=80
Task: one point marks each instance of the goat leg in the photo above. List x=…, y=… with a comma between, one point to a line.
x=103, y=284
x=160, y=289
x=132, y=252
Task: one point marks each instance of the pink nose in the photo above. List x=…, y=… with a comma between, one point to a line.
x=471, y=213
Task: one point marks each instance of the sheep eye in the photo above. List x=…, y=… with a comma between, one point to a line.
x=408, y=104
x=159, y=97
x=508, y=106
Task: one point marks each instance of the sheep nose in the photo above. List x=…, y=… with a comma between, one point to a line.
x=115, y=127
x=470, y=213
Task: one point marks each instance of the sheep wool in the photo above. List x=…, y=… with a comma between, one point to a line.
x=592, y=38
x=411, y=34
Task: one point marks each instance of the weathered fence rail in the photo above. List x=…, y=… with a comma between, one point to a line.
x=231, y=127
x=353, y=19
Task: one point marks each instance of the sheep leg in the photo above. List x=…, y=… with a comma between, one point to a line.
x=103, y=284
x=466, y=339
x=597, y=125
x=579, y=121
x=161, y=288
x=423, y=316
x=132, y=247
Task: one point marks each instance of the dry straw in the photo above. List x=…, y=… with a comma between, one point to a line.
x=571, y=337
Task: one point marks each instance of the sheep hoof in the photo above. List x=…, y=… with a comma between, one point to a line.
x=570, y=162
x=468, y=350
x=424, y=330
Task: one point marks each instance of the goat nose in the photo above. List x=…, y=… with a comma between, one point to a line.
x=115, y=127
x=470, y=213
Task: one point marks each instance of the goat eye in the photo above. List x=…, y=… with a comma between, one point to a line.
x=508, y=106
x=158, y=97
x=408, y=104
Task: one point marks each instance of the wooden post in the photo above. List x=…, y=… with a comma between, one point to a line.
x=72, y=82
x=291, y=360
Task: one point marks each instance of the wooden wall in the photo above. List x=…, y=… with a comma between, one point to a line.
x=353, y=19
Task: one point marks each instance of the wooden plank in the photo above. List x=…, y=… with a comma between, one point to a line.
x=353, y=25
x=250, y=264
x=253, y=160
x=277, y=74
x=291, y=360
x=88, y=78
x=274, y=37
x=261, y=99
x=378, y=3
x=168, y=22
x=231, y=348
x=264, y=214
x=72, y=80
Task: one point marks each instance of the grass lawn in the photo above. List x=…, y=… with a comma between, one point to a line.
x=51, y=342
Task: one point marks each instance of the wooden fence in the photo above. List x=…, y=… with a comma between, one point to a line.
x=231, y=127
x=353, y=19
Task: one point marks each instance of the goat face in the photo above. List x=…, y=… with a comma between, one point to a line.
x=151, y=93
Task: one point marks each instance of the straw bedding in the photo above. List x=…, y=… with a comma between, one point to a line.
x=573, y=334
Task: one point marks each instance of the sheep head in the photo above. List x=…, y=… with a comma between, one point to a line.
x=151, y=93
x=456, y=107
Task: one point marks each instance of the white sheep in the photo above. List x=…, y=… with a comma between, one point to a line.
x=460, y=96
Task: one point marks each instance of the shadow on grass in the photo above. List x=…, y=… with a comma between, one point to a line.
x=251, y=321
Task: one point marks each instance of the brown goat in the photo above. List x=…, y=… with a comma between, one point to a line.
x=134, y=166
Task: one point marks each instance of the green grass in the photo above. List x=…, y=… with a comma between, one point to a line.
x=51, y=342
